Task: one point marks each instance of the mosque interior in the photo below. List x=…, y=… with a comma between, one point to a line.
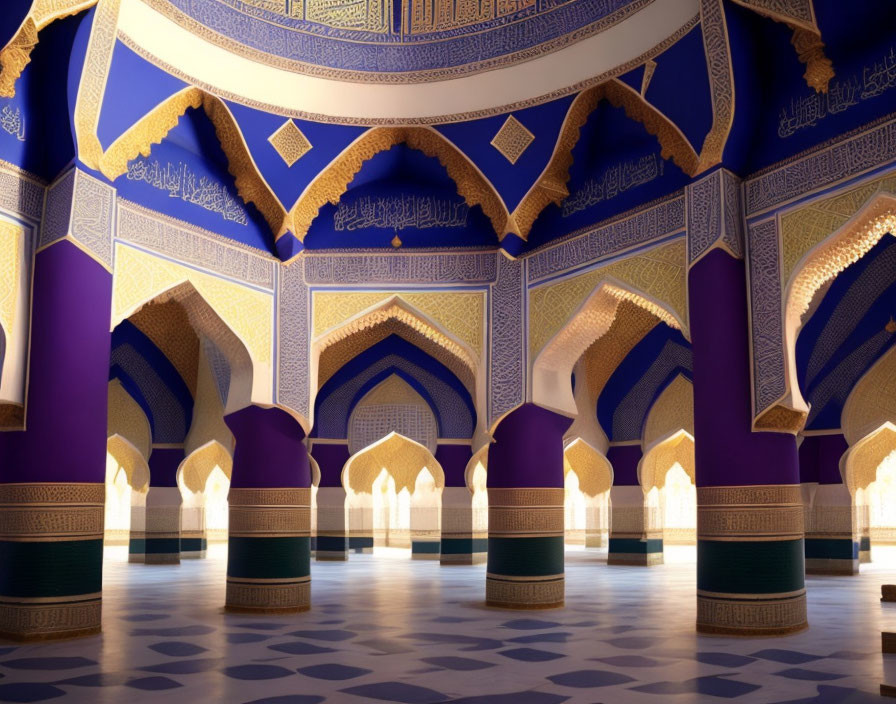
x=420, y=351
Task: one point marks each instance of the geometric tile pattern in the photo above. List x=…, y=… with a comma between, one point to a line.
x=512, y=139
x=625, y=635
x=289, y=142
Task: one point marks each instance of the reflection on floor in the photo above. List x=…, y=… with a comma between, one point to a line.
x=384, y=628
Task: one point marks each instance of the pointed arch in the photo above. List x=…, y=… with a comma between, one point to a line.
x=872, y=401
x=480, y=457
x=393, y=390
x=672, y=411
x=331, y=183
x=210, y=326
x=434, y=339
x=552, y=368
x=551, y=186
x=16, y=55
x=663, y=454
x=402, y=457
x=127, y=419
x=859, y=465
x=819, y=265
x=131, y=460
x=594, y=471
x=195, y=470
x=155, y=125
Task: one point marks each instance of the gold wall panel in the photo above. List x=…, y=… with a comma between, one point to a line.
x=460, y=313
x=592, y=468
x=127, y=419
x=140, y=277
x=671, y=412
x=402, y=458
x=872, y=401
x=809, y=225
x=12, y=238
x=660, y=273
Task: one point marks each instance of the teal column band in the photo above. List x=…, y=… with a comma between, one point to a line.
x=750, y=560
x=525, y=548
x=51, y=560
x=464, y=539
x=269, y=550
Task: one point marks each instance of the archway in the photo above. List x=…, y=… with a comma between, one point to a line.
x=667, y=479
x=814, y=259
x=393, y=490
x=204, y=480
x=588, y=478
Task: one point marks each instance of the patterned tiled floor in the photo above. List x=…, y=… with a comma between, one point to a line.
x=384, y=628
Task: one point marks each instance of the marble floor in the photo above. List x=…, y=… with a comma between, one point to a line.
x=386, y=629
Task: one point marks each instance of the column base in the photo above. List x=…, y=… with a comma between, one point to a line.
x=360, y=544
x=831, y=566
x=751, y=614
x=463, y=550
x=268, y=596
x=193, y=548
x=163, y=550
x=40, y=620
x=331, y=547
x=643, y=552
x=524, y=593
x=831, y=555
x=425, y=549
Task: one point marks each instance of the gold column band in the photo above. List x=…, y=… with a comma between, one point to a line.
x=750, y=513
x=51, y=512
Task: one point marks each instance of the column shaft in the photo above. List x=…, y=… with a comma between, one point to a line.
x=750, y=562
x=332, y=541
x=525, y=516
x=269, y=548
x=636, y=534
x=163, y=507
x=52, y=475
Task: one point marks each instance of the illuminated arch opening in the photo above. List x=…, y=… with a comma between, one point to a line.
x=588, y=477
x=394, y=496
x=666, y=475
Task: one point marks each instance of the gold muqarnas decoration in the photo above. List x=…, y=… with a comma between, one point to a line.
x=16, y=55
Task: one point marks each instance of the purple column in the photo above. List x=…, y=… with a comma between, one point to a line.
x=525, y=517
x=464, y=535
x=163, y=506
x=51, y=567
x=332, y=541
x=833, y=546
x=634, y=535
x=268, y=551
x=750, y=518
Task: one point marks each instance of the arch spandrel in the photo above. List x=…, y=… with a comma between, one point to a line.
x=859, y=465
x=331, y=183
x=401, y=456
x=872, y=402
x=672, y=411
x=591, y=467
x=334, y=357
x=566, y=318
x=199, y=464
x=131, y=460
x=239, y=320
x=382, y=406
x=817, y=242
x=460, y=314
x=393, y=309
x=654, y=465
x=127, y=420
